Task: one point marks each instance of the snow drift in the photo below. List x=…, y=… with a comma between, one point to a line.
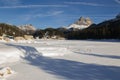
x=9, y=54
x=12, y=53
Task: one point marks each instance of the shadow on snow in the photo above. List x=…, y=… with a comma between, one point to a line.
x=99, y=55
x=69, y=70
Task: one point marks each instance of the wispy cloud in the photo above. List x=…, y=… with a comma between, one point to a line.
x=33, y=6
x=85, y=3
x=10, y=2
x=48, y=14
x=118, y=1
x=54, y=13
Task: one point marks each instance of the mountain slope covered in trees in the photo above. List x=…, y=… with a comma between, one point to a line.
x=109, y=29
x=10, y=30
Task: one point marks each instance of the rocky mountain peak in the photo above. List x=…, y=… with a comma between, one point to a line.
x=84, y=21
x=81, y=23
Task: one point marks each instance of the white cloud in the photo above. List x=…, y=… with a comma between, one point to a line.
x=118, y=1
x=33, y=6
x=85, y=3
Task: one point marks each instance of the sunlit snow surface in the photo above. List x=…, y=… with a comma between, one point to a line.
x=62, y=59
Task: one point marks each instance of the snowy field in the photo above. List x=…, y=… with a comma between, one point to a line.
x=60, y=60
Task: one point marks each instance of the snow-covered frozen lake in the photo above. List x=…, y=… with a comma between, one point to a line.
x=62, y=60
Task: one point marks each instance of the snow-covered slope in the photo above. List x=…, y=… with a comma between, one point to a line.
x=93, y=60
x=76, y=26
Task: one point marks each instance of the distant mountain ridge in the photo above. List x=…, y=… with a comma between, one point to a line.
x=27, y=27
x=83, y=28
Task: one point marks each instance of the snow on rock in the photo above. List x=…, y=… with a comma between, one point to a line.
x=6, y=72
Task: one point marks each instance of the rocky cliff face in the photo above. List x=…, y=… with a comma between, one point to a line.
x=81, y=23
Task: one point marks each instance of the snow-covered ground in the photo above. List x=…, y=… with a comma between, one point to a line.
x=61, y=60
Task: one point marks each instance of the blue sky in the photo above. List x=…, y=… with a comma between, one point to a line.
x=56, y=13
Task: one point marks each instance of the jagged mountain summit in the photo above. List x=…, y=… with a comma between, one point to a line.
x=81, y=23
